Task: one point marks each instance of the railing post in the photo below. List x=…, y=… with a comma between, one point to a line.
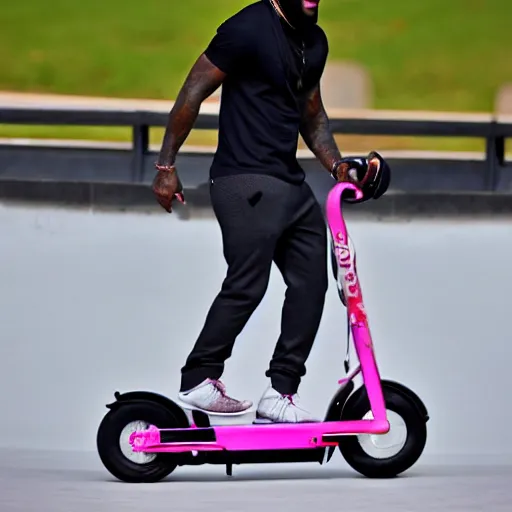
x=140, y=147
x=495, y=157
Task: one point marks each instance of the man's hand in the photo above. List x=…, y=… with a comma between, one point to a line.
x=167, y=187
x=354, y=169
x=350, y=169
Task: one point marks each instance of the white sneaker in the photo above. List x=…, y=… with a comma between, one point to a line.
x=210, y=397
x=277, y=408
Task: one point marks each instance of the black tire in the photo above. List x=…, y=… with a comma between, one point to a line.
x=109, y=449
x=352, y=451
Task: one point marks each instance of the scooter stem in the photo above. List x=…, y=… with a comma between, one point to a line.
x=334, y=206
x=344, y=259
x=358, y=320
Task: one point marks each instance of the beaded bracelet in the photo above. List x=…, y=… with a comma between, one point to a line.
x=165, y=168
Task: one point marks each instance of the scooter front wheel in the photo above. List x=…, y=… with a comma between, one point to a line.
x=385, y=455
x=116, y=452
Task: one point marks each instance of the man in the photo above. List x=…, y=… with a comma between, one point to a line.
x=269, y=58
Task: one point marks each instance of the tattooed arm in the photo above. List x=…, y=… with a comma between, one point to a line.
x=231, y=45
x=204, y=78
x=316, y=132
x=202, y=81
x=317, y=135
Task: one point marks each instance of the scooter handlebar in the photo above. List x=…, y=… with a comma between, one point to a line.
x=334, y=209
x=345, y=185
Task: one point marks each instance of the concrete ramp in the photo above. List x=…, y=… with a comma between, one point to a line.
x=92, y=303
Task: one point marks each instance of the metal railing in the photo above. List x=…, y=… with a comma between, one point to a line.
x=492, y=129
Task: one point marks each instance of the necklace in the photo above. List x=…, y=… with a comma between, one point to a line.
x=279, y=12
x=277, y=9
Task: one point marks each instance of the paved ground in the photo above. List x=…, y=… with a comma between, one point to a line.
x=51, y=400
x=73, y=483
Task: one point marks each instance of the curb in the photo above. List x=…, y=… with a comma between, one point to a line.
x=125, y=196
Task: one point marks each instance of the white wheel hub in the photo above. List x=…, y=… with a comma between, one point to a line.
x=126, y=447
x=383, y=446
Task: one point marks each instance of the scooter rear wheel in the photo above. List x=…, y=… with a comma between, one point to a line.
x=407, y=436
x=115, y=450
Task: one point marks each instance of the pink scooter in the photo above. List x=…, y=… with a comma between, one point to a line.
x=380, y=429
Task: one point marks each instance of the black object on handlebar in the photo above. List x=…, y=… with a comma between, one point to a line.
x=373, y=182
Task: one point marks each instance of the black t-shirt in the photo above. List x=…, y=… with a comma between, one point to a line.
x=263, y=94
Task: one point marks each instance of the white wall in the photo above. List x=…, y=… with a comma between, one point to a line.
x=91, y=303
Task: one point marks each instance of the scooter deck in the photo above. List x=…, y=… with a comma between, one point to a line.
x=252, y=437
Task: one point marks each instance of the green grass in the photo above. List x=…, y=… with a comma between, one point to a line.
x=430, y=54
